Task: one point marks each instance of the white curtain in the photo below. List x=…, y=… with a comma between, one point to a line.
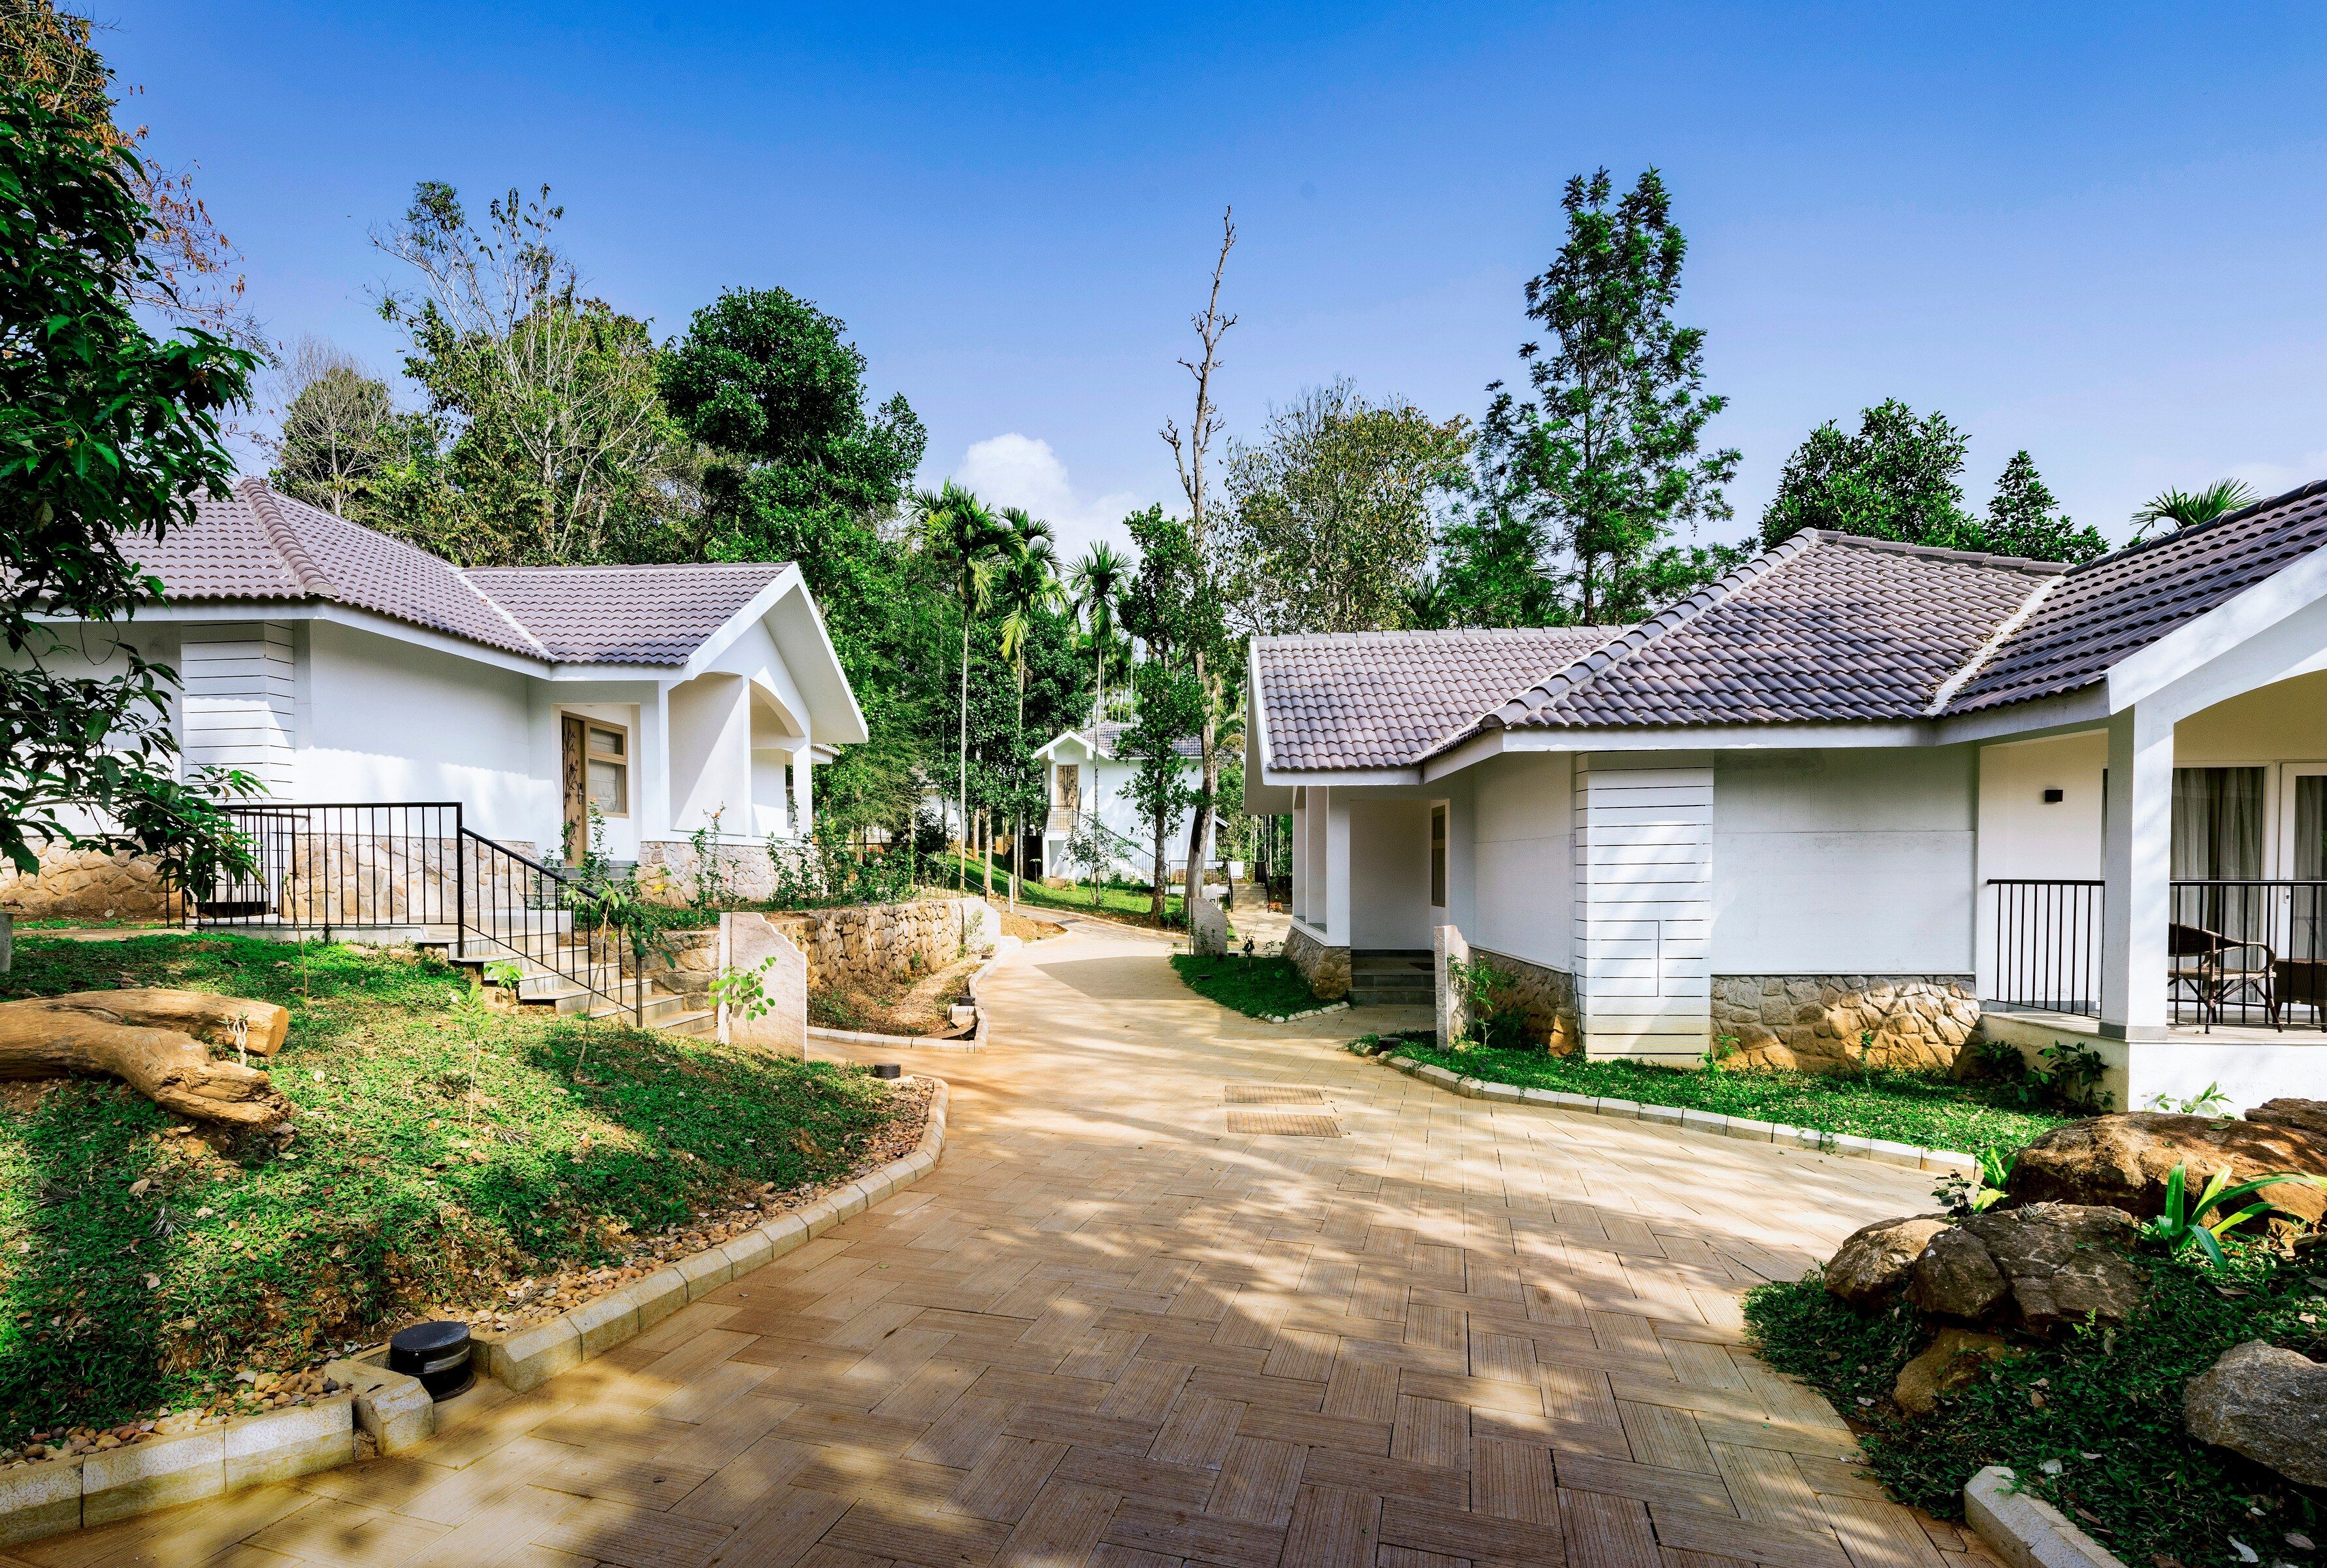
x=2217, y=837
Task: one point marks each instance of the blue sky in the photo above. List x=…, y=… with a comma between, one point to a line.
x=2093, y=231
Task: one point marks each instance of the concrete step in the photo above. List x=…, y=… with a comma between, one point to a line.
x=1398, y=996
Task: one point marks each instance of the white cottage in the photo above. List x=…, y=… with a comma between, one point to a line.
x=379, y=692
x=1089, y=784
x=1854, y=792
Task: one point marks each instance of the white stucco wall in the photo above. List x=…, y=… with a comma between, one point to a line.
x=711, y=753
x=1857, y=860
x=380, y=719
x=2020, y=835
x=1522, y=862
x=1390, y=873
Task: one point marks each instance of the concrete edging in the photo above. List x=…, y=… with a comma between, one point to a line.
x=2026, y=1530
x=1341, y=1006
x=1744, y=1128
x=975, y=1040
x=55, y=1495
x=530, y=1357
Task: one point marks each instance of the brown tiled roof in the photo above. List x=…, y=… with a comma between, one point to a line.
x=1827, y=628
x=259, y=545
x=2119, y=604
x=1383, y=699
x=624, y=614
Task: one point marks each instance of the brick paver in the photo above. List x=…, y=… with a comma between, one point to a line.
x=1124, y=1325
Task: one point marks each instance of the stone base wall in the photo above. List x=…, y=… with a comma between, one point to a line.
x=1817, y=1022
x=878, y=941
x=668, y=871
x=1549, y=997
x=1327, y=969
x=88, y=884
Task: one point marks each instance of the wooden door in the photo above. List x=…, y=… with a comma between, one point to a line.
x=574, y=736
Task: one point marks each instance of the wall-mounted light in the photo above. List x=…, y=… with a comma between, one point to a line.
x=2054, y=796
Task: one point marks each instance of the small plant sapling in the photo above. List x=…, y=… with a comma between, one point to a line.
x=2204, y=1221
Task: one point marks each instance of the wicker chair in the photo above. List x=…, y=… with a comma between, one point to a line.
x=2298, y=983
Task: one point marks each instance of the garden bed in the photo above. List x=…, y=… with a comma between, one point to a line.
x=1927, y=1110
x=895, y=1004
x=2092, y=1422
x=492, y=1166
x=1256, y=987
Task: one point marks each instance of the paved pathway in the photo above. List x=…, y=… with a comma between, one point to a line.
x=1185, y=1288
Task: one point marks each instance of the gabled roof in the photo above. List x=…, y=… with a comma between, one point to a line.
x=2119, y=604
x=1827, y=628
x=1824, y=628
x=1106, y=737
x=260, y=547
x=1385, y=699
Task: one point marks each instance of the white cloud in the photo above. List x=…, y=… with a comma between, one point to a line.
x=2270, y=479
x=1021, y=470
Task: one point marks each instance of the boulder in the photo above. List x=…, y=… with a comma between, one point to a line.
x=2303, y=1115
x=1952, y=1363
x=1871, y=1265
x=2036, y=1268
x=2267, y=1403
x=2122, y=1161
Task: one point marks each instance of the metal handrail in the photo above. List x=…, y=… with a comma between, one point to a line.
x=544, y=944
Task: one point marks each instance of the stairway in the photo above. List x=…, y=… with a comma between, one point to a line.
x=1392, y=977
x=543, y=984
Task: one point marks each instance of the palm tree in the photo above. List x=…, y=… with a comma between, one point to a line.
x=957, y=526
x=2187, y=510
x=1097, y=582
x=1029, y=588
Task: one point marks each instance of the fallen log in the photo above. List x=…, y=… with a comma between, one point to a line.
x=158, y=1043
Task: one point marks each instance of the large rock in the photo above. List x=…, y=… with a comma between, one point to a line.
x=1871, y=1266
x=2123, y=1160
x=2036, y=1268
x=2303, y=1115
x=2267, y=1403
x=1952, y=1363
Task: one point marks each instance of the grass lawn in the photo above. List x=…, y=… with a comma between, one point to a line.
x=439, y=1158
x=1114, y=902
x=1256, y=987
x=1926, y=1109
x=2105, y=1408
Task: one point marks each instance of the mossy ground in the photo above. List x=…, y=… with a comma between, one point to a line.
x=2103, y=1405
x=440, y=1153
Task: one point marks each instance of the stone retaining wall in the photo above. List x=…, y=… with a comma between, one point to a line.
x=1816, y=1022
x=88, y=884
x=1547, y=994
x=1327, y=969
x=878, y=941
x=668, y=871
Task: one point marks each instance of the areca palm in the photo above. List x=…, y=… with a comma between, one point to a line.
x=1097, y=582
x=957, y=527
x=1029, y=587
x=2187, y=509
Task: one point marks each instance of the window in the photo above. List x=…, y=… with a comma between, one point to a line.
x=1438, y=856
x=609, y=764
x=2217, y=823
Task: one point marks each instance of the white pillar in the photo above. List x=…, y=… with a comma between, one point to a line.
x=1301, y=872
x=2136, y=862
x=1337, y=867
x=803, y=823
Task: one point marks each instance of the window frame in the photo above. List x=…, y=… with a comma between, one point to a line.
x=589, y=797
x=1441, y=830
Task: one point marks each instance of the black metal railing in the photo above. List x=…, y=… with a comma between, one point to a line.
x=374, y=865
x=2048, y=945
x=2247, y=951
x=523, y=906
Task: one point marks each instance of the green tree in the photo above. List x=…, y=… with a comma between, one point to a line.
x=970, y=542
x=340, y=432
x=1605, y=456
x=562, y=451
x=2188, y=509
x=107, y=435
x=1170, y=607
x=1029, y=590
x=2025, y=519
x=802, y=470
x=1167, y=708
x=1334, y=511
x=1097, y=582
x=1491, y=574
x=1899, y=476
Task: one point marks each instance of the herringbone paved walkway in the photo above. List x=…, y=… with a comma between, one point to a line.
x=1142, y=1315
